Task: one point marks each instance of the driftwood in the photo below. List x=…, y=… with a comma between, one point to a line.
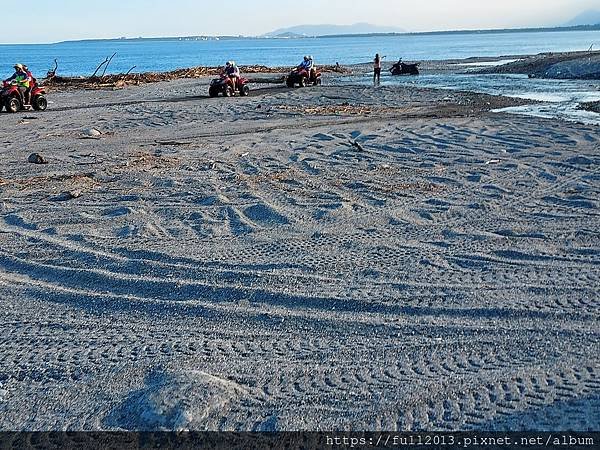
x=52, y=72
x=104, y=64
x=99, y=67
x=107, y=64
x=272, y=80
x=129, y=78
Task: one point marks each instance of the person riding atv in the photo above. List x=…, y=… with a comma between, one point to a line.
x=230, y=83
x=233, y=72
x=305, y=74
x=309, y=65
x=21, y=92
x=401, y=68
x=22, y=79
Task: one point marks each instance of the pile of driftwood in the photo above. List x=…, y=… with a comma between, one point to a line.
x=126, y=79
x=100, y=80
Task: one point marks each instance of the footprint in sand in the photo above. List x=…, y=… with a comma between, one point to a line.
x=265, y=215
x=117, y=212
x=17, y=221
x=323, y=137
x=237, y=223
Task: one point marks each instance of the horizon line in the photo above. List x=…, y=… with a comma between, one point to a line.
x=304, y=36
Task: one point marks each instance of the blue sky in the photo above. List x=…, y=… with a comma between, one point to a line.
x=58, y=20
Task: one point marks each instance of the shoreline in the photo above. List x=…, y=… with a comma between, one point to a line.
x=570, y=106
x=506, y=64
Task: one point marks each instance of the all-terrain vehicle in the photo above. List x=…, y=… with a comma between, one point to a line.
x=302, y=78
x=223, y=85
x=401, y=68
x=12, y=99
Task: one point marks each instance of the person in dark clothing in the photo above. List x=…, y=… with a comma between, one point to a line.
x=377, y=69
x=233, y=72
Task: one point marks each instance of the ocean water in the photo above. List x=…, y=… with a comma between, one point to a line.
x=81, y=58
x=559, y=98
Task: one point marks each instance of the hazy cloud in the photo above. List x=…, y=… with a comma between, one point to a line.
x=71, y=19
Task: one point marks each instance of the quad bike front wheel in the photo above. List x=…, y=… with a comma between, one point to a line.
x=318, y=82
x=40, y=103
x=228, y=92
x=290, y=82
x=213, y=92
x=13, y=104
x=244, y=91
x=303, y=82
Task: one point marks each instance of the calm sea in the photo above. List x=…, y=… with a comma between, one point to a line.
x=81, y=58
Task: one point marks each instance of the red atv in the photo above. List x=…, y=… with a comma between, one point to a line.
x=224, y=86
x=12, y=99
x=303, y=78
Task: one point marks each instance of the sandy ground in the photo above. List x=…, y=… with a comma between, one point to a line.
x=333, y=258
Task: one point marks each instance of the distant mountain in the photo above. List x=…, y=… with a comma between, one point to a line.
x=330, y=30
x=590, y=17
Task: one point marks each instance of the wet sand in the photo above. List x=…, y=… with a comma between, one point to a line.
x=335, y=258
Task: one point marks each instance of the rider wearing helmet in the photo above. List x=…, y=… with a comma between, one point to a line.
x=22, y=79
x=308, y=64
x=233, y=72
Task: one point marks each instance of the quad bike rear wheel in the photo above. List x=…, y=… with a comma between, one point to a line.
x=39, y=103
x=213, y=92
x=318, y=82
x=13, y=104
x=244, y=91
x=290, y=82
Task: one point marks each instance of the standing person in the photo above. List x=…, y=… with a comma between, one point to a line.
x=377, y=69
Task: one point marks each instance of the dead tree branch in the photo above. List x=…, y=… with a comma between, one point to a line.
x=52, y=72
x=107, y=64
x=98, y=68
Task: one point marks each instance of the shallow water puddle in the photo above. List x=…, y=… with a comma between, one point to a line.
x=560, y=98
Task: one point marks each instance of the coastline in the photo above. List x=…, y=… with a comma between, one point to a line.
x=533, y=65
x=163, y=56
x=376, y=34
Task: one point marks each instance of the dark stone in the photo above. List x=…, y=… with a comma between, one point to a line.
x=36, y=158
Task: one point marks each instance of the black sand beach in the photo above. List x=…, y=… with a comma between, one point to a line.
x=335, y=258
